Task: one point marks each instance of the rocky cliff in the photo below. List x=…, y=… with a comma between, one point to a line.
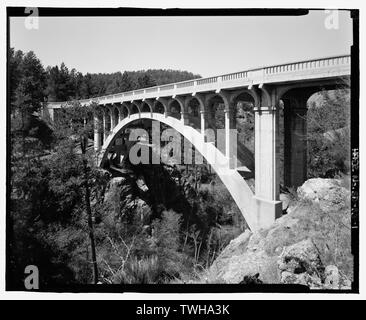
x=310, y=245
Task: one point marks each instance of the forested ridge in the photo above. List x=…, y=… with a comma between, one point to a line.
x=63, y=84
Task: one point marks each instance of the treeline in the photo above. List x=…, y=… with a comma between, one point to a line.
x=61, y=84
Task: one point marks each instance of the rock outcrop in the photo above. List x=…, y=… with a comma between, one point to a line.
x=311, y=245
x=122, y=197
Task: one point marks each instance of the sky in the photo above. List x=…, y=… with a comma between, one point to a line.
x=203, y=45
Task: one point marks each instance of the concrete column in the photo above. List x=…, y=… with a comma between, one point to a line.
x=114, y=121
x=51, y=113
x=295, y=148
x=105, y=129
x=184, y=118
x=268, y=206
x=164, y=102
x=204, y=126
x=120, y=113
x=230, y=138
x=97, y=142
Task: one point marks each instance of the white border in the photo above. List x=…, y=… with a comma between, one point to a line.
x=350, y=4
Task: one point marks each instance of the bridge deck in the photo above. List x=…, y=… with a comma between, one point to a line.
x=322, y=68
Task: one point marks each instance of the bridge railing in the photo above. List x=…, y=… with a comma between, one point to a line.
x=308, y=65
x=257, y=75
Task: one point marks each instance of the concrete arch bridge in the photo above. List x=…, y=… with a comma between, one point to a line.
x=189, y=108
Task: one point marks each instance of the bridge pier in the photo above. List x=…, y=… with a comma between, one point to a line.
x=114, y=119
x=184, y=118
x=295, y=146
x=268, y=206
x=120, y=112
x=106, y=124
x=230, y=137
x=51, y=114
x=97, y=142
x=204, y=126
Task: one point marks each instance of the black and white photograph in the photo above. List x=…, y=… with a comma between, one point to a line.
x=181, y=150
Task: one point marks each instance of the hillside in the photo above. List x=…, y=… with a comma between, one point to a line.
x=311, y=245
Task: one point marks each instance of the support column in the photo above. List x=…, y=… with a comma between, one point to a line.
x=119, y=147
x=184, y=118
x=120, y=113
x=164, y=103
x=97, y=142
x=105, y=122
x=51, y=114
x=113, y=120
x=268, y=206
x=295, y=158
x=230, y=138
x=204, y=126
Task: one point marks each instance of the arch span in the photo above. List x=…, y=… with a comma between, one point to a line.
x=234, y=182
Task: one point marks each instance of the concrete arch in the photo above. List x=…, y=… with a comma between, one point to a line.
x=175, y=108
x=135, y=106
x=192, y=110
x=294, y=100
x=106, y=111
x=311, y=87
x=150, y=104
x=125, y=110
x=114, y=114
x=215, y=111
x=181, y=101
x=251, y=93
x=120, y=108
x=236, y=185
x=214, y=97
x=157, y=106
x=145, y=107
x=201, y=100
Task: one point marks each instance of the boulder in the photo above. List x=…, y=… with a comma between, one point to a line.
x=286, y=200
x=332, y=277
x=301, y=257
x=328, y=193
x=300, y=263
x=300, y=247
